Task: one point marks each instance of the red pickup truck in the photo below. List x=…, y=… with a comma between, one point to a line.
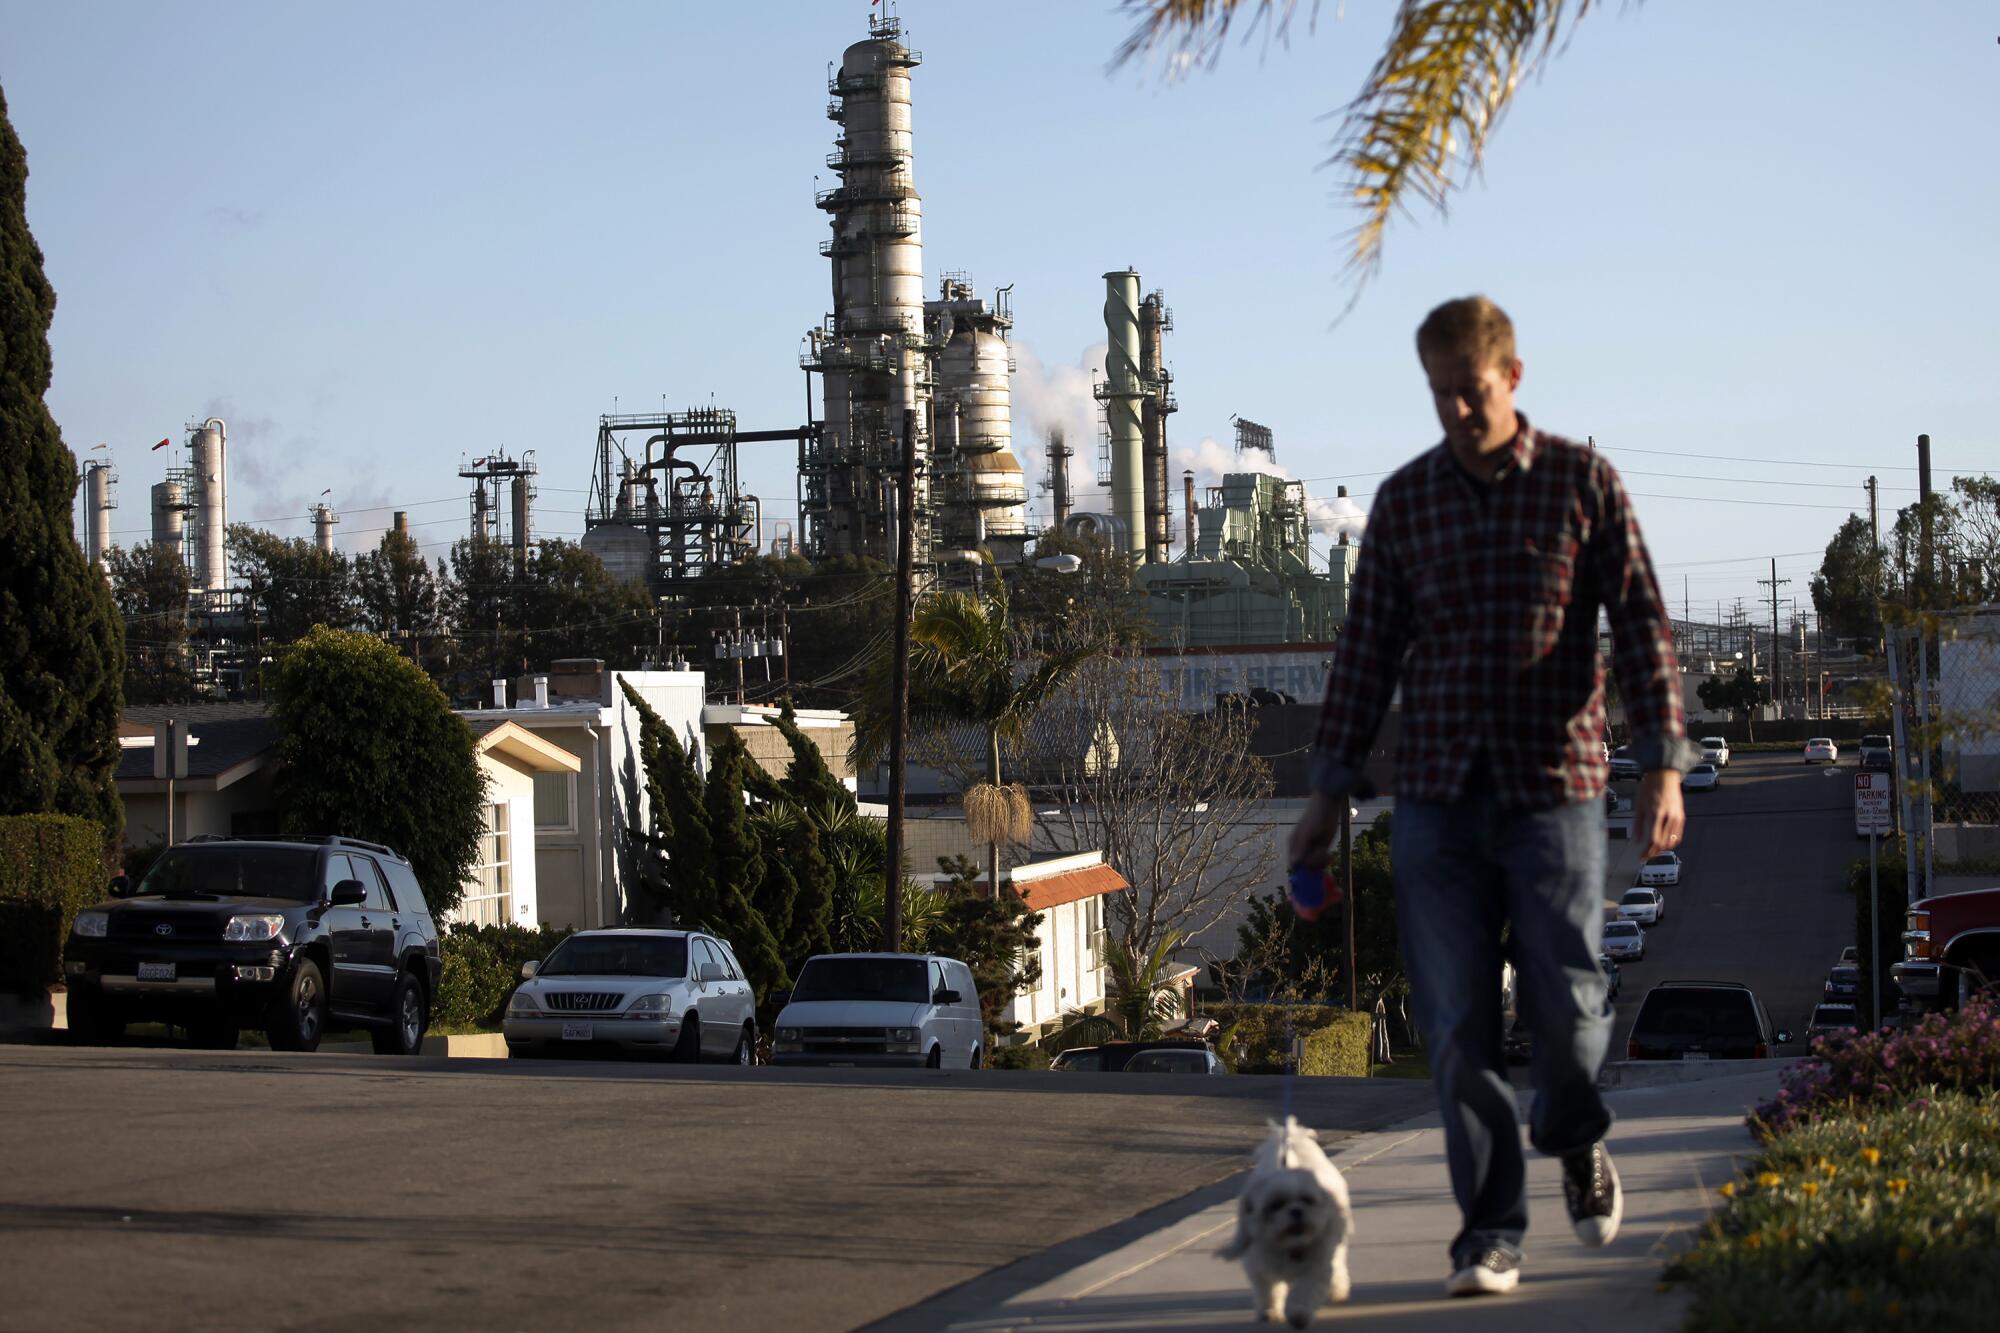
x=1951, y=949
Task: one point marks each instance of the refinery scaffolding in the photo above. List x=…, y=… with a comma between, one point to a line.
x=503, y=495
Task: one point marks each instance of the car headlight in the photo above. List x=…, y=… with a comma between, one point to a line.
x=91, y=925
x=255, y=926
x=787, y=1034
x=902, y=1034
x=522, y=1002
x=651, y=1004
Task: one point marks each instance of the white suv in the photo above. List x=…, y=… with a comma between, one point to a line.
x=672, y=993
x=881, y=1009
x=1715, y=750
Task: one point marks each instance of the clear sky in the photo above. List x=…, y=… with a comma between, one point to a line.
x=1749, y=247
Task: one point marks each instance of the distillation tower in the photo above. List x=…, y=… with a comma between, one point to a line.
x=98, y=504
x=979, y=489
x=503, y=486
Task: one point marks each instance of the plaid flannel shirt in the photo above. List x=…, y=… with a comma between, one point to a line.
x=1483, y=600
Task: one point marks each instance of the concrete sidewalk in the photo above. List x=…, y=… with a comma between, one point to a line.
x=1674, y=1143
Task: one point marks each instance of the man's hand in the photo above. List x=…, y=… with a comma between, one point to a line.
x=1312, y=837
x=1657, y=814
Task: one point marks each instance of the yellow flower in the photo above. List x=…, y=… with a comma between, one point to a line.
x=1767, y=1179
x=1871, y=1155
x=1854, y=1296
x=1862, y=1127
x=1894, y=1309
x=1829, y=1168
x=1811, y=1187
x=1754, y=1241
x=1959, y=1224
x=1728, y=1191
x=1788, y=1234
x=1904, y=1254
x=1898, y=1185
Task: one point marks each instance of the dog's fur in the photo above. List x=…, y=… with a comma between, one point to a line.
x=1293, y=1223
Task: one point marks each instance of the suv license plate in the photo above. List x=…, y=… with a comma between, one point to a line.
x=1694, y=1055
x=156, y=971
x=578, y=1032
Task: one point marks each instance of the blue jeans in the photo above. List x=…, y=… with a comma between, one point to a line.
x=1462, y=870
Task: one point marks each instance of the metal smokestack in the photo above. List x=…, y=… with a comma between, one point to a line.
x=1187, y=482
x=401, y=523
x=1121, y=392
x=323, y=519
x=521, y=496
x=1154, y=320
x=98, y=505
x=210, y=461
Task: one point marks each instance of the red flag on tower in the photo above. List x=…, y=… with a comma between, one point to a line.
x=164, y=443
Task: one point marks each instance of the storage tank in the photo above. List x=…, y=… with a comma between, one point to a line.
x=209, y=450
x=169, y=508
x=625, y=552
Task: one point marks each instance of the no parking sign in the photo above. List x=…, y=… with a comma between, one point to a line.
x=1874, y=811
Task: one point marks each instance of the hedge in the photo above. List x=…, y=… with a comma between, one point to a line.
x=1026, y=1056
x=482, y=965
x=1340, y=1049
x=51, y=867
x=1257, y=1038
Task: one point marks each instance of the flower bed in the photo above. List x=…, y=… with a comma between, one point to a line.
x=1875, y=1201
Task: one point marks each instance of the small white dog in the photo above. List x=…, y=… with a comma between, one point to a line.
x=1293, y=1223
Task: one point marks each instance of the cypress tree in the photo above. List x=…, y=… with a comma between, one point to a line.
x=62, y=648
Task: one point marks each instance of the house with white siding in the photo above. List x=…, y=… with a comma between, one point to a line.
x=1070, y=893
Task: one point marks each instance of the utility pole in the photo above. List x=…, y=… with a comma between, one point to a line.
x=736, y=645
x=1925, y=534
x=1347, y=893
x=899, y=685
x=1777, y=653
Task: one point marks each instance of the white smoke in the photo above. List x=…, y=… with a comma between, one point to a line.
x=1209, y=460
x=279, y=495
x=1047, y=396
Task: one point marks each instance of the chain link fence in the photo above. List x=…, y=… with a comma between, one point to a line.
x=1944, y=675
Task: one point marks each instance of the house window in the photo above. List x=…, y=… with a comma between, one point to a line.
x=492, y=901
x=553, y=795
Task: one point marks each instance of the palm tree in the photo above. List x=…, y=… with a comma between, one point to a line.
x=1419, y=126
x=963, y=670
x=1139, y=994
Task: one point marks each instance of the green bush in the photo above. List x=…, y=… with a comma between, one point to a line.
x=51, y=867
x=1257, y=1038
x=1027, y=1056
x=1883, y=1217
x=1340, y=1049
x=482, y=965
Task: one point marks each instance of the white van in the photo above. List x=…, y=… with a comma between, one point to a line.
x=878, y=1009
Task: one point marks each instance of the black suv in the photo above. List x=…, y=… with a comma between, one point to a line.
x=281, y=934
x=1702, y=1020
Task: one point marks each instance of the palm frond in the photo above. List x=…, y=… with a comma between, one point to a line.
x=1420, y=125
x=1197, y=30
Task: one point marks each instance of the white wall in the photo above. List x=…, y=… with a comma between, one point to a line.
x=1073, y=976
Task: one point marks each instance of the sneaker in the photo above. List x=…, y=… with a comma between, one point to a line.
x=1494, y=1271
x=1590, y=1188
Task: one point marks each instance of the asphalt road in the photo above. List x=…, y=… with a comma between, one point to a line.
x=1762, y=898
x=171, y=1189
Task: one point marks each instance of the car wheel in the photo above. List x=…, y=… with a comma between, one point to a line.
x=521, y=1052
x=746, y=1048
x=91, y=1018
x=298, y=1017
x=687, y=1050
x=975, y=1057
x=409, y=1018
x=213, y=1034
x=936, y=1059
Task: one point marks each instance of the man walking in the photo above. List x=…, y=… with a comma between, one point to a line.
x=1478, y=588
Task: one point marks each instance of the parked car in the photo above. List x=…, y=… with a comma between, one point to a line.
x=1113, y=1056
x=665, y=993
x=1715, y=750
x=1702, y=1020
x=279, y=934
x=1663, y=871
x=1843, y=982
x=881, y=1009
x=1951, y=949
x=1624, y=940
x=1877, y=752
x=1646, y=906
x=1188, y=1060
x=1623, y=766
x=1822, y=750
x=1831, y=1019
x=1851, y=954
x=1613, y=982
x=1702, y=777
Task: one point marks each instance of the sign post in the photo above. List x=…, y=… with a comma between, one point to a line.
x=1874, y=815
x=170, y=761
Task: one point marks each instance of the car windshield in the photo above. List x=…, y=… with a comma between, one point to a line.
x=618, y=956
x=1713, y=742
x=1638, y=895
x=1819, y=740
x=1833, y=1016
x=225, y=870
x=901, y=980
x=1848, y=973
x=1703, y=769
x=1624, y=928
x=1665, y=859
